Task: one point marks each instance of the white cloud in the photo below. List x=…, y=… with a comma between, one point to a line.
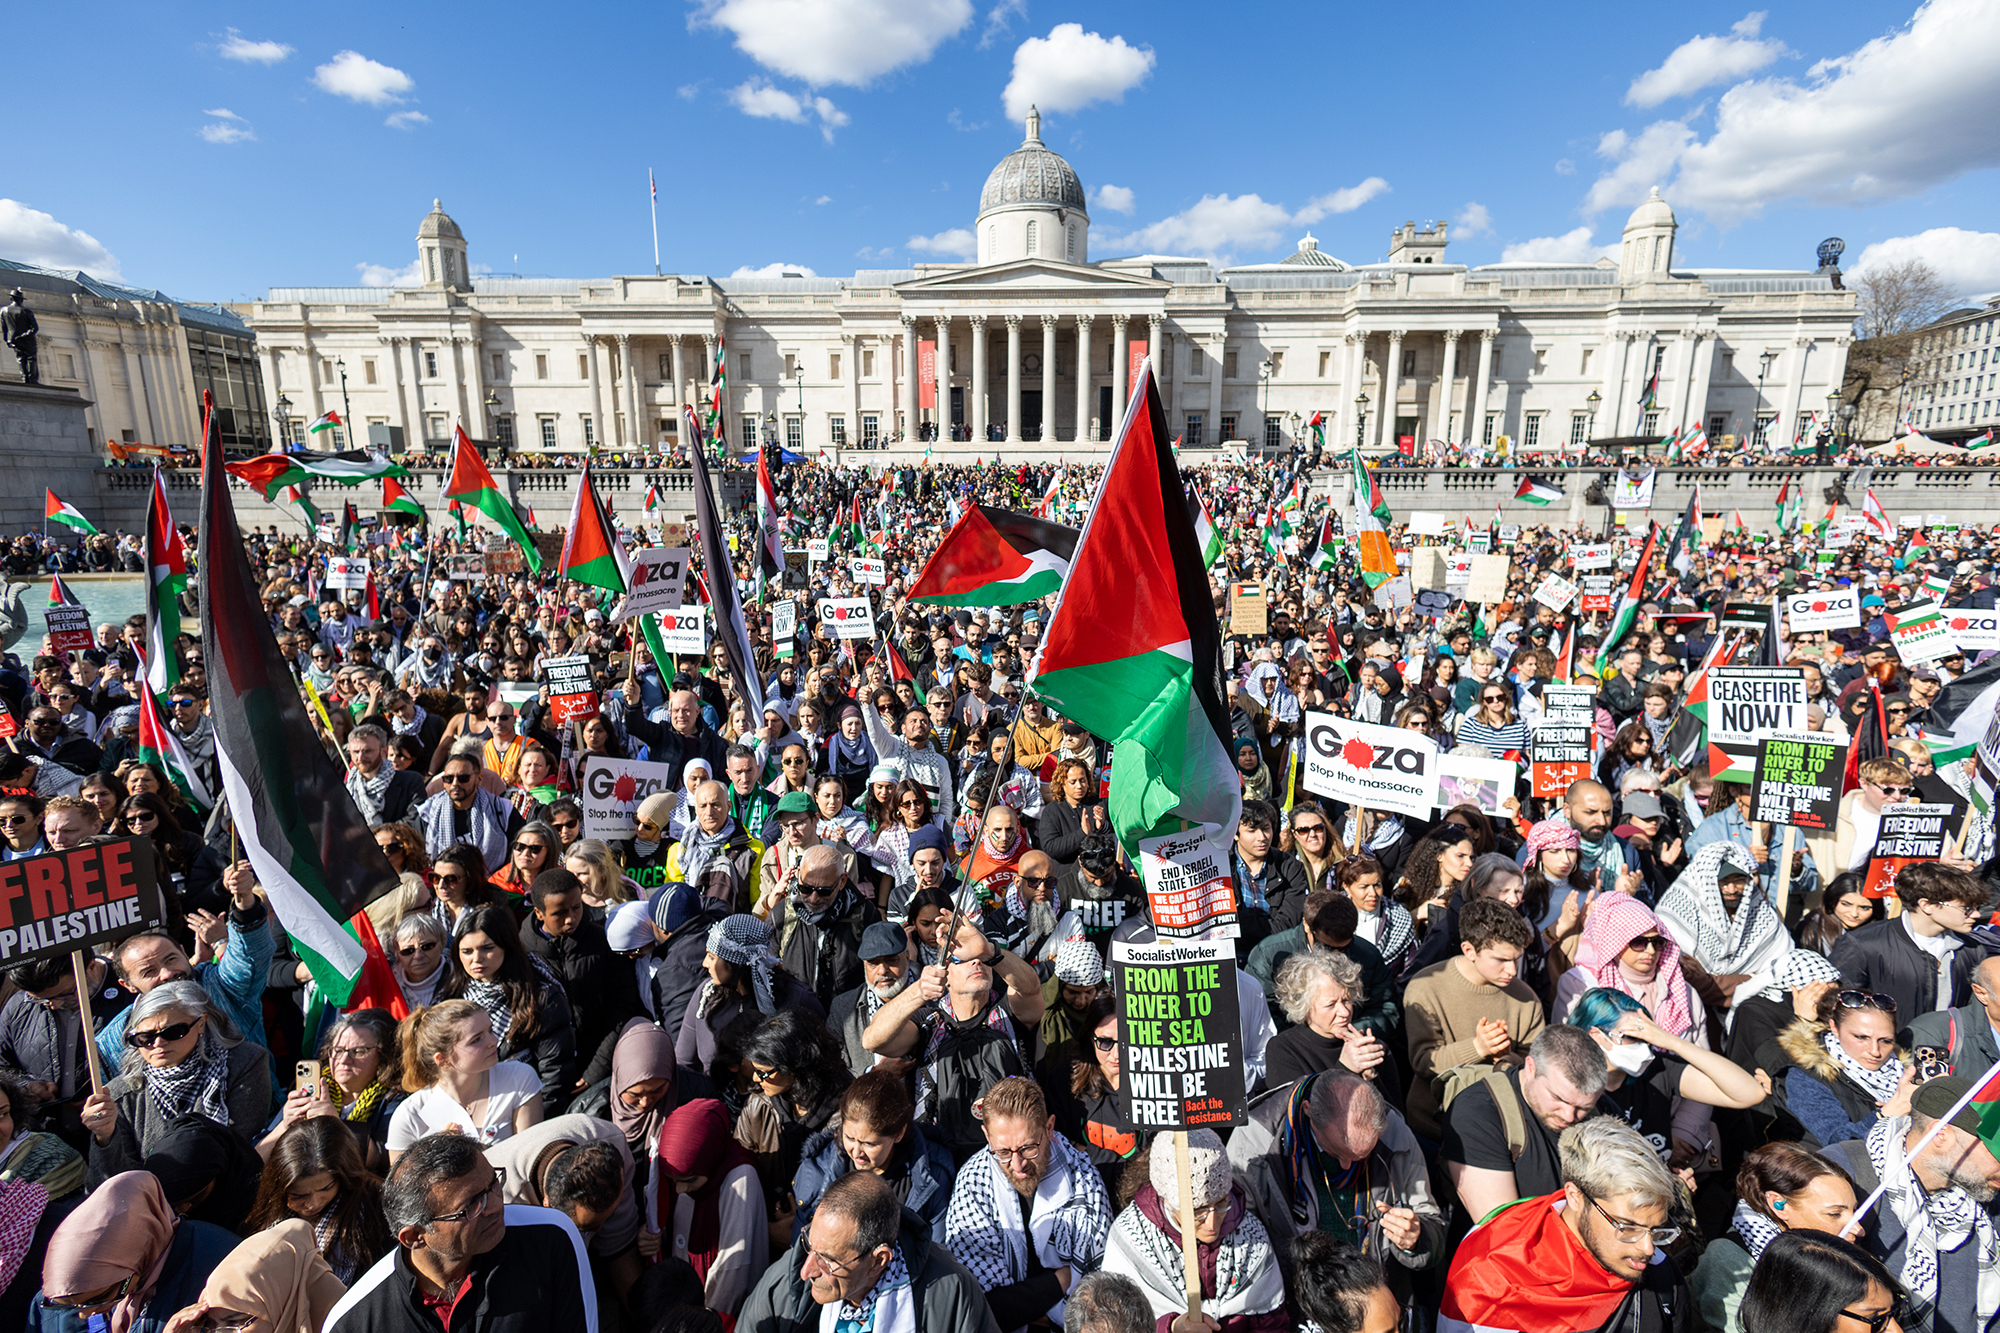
x=1885, y=121
x=33, y=237
x=1572, y=247
x=1473, y=220
x=958, y=243
x=1565, y=167
x=824, y=199
x=1638, y=163
x=227, y=127
x=1115, y=199
x=850, y=42
x=354, y=76
x=689, y=91
x=403, y=120
x=1967, y=261
x=1070, y=68
x=379, y=275
x=1703, y=62
x=1000, y=18
x=1344, y=200
x=1219, y=224
x=775, y=271
x=236, y=46
x=769, y=102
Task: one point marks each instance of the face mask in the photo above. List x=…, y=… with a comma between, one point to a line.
x=1631, y=1057
x=431, y=654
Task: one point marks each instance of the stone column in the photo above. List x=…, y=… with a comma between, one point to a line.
x=1013, y=379
x=1049, y=435
x=1614, y=379
x=1221, y=364
x=635, y=429
x=975, y=393
x=1170, y=352
x=135, y=388
x=455, y=385
x=1354, y=355
x=267, y=359
x=1795, y=377
x=1392, y=373
x=850, y=346
x=598, y=423
x=910, y=421
x=1704, y=369
x=1153, y=323
x=476, y=387
x=417, y=386
x=1690, y=354
x=942, y=412
x=310, y=359
x=1481, y=386
x=1120, y=390
x=1082, y=378
x=1449, y=374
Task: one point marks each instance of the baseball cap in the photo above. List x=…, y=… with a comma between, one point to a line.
x=1939, y=1095
x=1643, y=805
x=882, y=940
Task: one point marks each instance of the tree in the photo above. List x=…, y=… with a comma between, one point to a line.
x=1893, y=303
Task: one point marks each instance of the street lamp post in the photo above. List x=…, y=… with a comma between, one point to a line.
x=1847, y=414
x=1360, y=419
x=1264, y=374
x=1297, y=446
x=346, y=408
x=1595, y=401
x=282, y=410
x=1823, y=438
x=799, y=374
x=1764, y=359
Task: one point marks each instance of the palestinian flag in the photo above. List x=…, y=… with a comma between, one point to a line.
x=1649, y=397
x=1371, y=518
x=325, y=421
x=996, y=557
x=1687, y=536
x=1537, y=493
x=457, y=511
x=1523, y=1270
x=1131, y=651
x=653, y=492
x=296, y=495
x=1627, y=613
x=1673, y=445
x=1322, y=553
x=900, y=670
x=349, y=521
x=1318, y=428
x=1985, y=441
x=772, y=555
x=299, y=828
x=1204, y=530
x=1046, y=507
x=725, y=608
x=271, y=473
x=1566, y=654
x=1791, y=501
x=590, y=552
x=1937, y=585
x=59, y=593
x=396, y=500
x=166, y=579
x=159, y=745
x=1871, y=511
x=1964, y=711
x=471, y=483
x=67, y=514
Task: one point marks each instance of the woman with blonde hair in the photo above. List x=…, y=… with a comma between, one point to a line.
x=604, y=884
x=452, y=1067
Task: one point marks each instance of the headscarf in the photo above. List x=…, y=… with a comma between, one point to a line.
x=122, y=1229
x=1617, y=920
x=1800, y=967
x=279, y=1276
x=21, y=1206
x=1552, y=835
x=644, y=1051
x=1696, y=900
x=855, y=754
x=196, y=1151
x=742, y=941
x=198, y=1085
x=696, y=1141
x=1279, y=703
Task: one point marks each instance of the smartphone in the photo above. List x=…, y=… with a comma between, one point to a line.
x=309, y=1076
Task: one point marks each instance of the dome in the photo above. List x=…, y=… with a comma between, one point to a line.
x=437, y=224
x=1032, y=174
x=1311, y=256
x=1654, y=212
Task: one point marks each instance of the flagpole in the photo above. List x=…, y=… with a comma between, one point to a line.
x=653, y=188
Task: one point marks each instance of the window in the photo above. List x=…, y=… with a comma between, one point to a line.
x=1717, y=424
x=795, y=433
x=1541, y=363
x=1492, y=429
x=1651, y=424
x=1764, y=420
x=1229, y=364
x=503, y=430
x=743, y=367
x=1228, y=428
x=666, y=367
x=583, y=365
x=1325, y=363
x=992, y=239
x=499, y=365
x=1410, y=362
x=1194, y=428
x=67, y=368
x=836, y=431
x=1531, y=430
x=430, y=365
x=1277, y=365
x=339, y=438
x=325, y=371
x=1070, y=252
x=1579, y=429
x=1728, y=364
x=1272, y=437
x=833, y=365
x=1194, y=360
x=589, y=432
x=434, y=427
x=751, y=434
x=791, y=364
x=548, y=432
x=368, y=371
x=867, y=363
x=1033, y=236
x=541, y=365
x=1583, y=368
x=871, y=426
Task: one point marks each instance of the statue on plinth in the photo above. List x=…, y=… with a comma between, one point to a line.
x=18, y=330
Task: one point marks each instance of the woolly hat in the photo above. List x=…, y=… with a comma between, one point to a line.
x=629, y=928
x=1208, y=1169
x=885, y=772
x=1079, y=964
x=658, y=808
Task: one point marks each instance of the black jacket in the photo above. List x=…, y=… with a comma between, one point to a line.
x=405, y=789
x=826, y=956
x=1882, y=957
x=664, y=745
x=603, y=989
x=947, y=1298
x=680, y=972
x=535, y=1279
x=1060, y=831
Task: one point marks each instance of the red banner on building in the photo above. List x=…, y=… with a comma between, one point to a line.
x=1138, y=354
x=927, y=374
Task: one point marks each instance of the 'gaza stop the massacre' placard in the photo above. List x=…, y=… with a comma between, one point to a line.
x=1179, y=1033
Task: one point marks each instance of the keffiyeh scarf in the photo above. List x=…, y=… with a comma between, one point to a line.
x=486, y=825
x=742, y=941
x=1877, y=1083
x=492, y=997
x=889, y=1307
x=198, y=1085
x=699, y=848
x=368, y=792
x=1932, y=1222
x=986, y=1230
x=1247, y=1279
x=1756, y=1229
x=1800, y=967
x=1721, y=940
x=414, y=725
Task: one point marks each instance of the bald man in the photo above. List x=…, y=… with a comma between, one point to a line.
x=816, y=927
x=1587, y=808
x=685, y=736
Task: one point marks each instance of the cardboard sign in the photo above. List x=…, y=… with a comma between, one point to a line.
x=327, y=530
x=465, y=568
x=1435, y=603
x=612, y=789
x=1481, y=783
x=1837, y=608
x=657, y=583
x=1180, y=1035
x=65, y=901
x=1921, y=634
x=1556, y=592
x=1798, y=781
x=1427, y=523
x=505, y=558
x=1909, y=833
x=817, y=548
x=1480, y=541
x=1249, y=612
x=1596, y=556
x=1558, y=754
x=69, y=627
x=1596, y=592
x=673, y=534
x=1973, y=630
x=1394, y=593
x=1487, y=582
x=685, y=632
x=1575, y=704
x=1188, y=882
x=1746, y=704
x=847, y=617
x=349, y=573
x=875, y=572
x=1427, y=567
x=1746, y=615
x=571, y=693
x=1379, y=768
x=1458, y=569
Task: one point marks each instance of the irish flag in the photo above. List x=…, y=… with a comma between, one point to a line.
x=1537, y=493
x=166, y=579
x=996, y=557
x=1523, y=1270
x=590, y=552
x=1371, y=535
x=1131, y=651
x=1204, y=530
x=60, y=511
x=271, y=473
x=1628, y=605
x=325, y=421
x=472, y=484
x=396, y=500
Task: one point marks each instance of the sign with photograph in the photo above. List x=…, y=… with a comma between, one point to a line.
x=1481, y=783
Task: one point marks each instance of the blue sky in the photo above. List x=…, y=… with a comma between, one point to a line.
x=215, y=150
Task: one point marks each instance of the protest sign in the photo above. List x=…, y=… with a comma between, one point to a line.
x=1798, y=780
x=1909, y=521
x=685, y=632
x=1189, y=889
x=1481, y=783
x=65, y=901
x=1837, y=608
x=1435, y=603
x=1393, y=594
x=1487, y=583
x=515, y=691
x=1479, y=541
x=1558, y=754
x=1594, y=556
x=1458, y=569
x=847, y=617
x=571, y=693
x=784, y=626
x=1249, y=612
x=1746, y=615
x=1427, y=567
x=1426, y=523
x=673, y=534
x=1379, y=768
x=504, y=557
x=1746, y=704
x=349, y=573
x=1973, y=631
x=1180, y=1035
x=658, y=581
x=612, y=789
x=467, y=567
x=817, y=548
x=1633, y=489
x=1909, y=833
x=69, y=627
x=1921, y=633
x=873, y=572
x=1556, y=592
x=1510, y=533
x=1569, y=703
x=1596, y=593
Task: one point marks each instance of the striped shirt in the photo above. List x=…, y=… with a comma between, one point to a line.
x=1474, y=730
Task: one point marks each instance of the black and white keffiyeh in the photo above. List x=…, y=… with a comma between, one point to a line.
x=198, y=1085
x=742, y=941
x=1723, y=943
x=1932, y=1223
x=1799, y=968
x=368, y=792
x=1877, y=1083
x=1756, y=1229
x=1247, y=1278
x=486, y=825
x=492, y=997
x=698, y=848
x=984, y=1226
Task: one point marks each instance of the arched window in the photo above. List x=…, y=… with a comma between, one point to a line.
x=1070, y=250
x=992, y=241
x=1032, y=237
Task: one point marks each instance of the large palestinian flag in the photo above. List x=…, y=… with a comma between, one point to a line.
x=1131, y=651
x=996, y=557
x=297, y=825
x=470, y=483
x=271, y=473
x=1523, y=1270
x=166, y=579
x=591, y=553
x=61, y=511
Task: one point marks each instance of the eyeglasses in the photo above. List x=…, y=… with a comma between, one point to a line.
x=1862, y=999
x=172, y=1032
x=479, y=1202
x=340, y=1053
x=1105, y=1043
x=15, y=821
x=1493, y=698
x=1036, y=881
x=797, y=761
x=139, y=816
x=1027, y=1152
x=1648, y=942
x=833, y=1267
x=184, y=703
x=1879, y=1321
x=450, y=877
x=98, y=1300
x=1892, y=790
x=1633, y=1232
x=499, y=717
x=428, y=946
x=910, y=803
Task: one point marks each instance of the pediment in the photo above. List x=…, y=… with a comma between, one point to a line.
x=1032, y=276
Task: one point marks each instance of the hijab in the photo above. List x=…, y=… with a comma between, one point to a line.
x=195, y=1151
x=279, y=1276
x=858, y=753
x=644, y=1051
x=696, y=1141
x=122, y=1229
x=1614, y=922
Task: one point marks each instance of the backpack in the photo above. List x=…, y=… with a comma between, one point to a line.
x=1513, y=1115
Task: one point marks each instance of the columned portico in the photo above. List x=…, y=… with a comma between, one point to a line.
x=1013, y=379
x=1481, y=384
x=1048, y=430
x=1083, y=377
x=1441, y=428
x=910, y=419
x=941, y=411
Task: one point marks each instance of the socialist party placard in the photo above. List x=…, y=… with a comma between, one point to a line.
x=1375, y=767
x=1798, y=780
x=1189, y=887
x=1909, y=833
x=1180, y=1034
x=70, y=900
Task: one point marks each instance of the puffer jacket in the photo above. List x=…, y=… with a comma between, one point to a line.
x=1818, y=1092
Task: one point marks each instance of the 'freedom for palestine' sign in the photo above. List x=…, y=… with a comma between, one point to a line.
x=1180, y=1035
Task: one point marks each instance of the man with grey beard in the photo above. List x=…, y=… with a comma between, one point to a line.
x=1101, y=890
x=885, y=973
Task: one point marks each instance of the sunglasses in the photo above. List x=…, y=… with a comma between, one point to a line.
x=1861, y=999
x=391, y=847
x=171, y=1032
x=561, y=824
x=1878, y=1321
x=812, y=890
x=453, y=779
x=1897, y=790
x=529, y=847
x=1309, y=830
x=1105, y=1043
x=428, y=946
x=1648, y=942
